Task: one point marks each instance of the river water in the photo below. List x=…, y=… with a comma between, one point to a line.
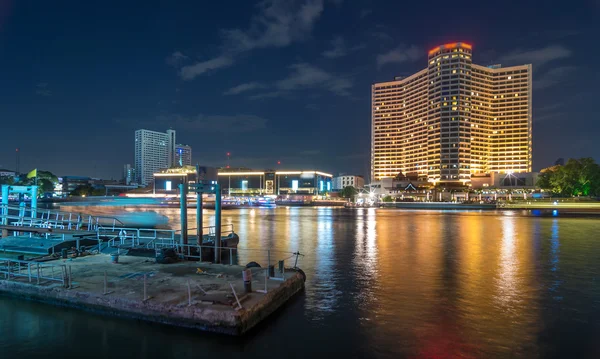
x=381, y=284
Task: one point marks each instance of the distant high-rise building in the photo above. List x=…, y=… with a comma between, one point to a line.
x=452, y=120
x=154, y=151
x=183, y=155
x=342, y=181
x=128, y=174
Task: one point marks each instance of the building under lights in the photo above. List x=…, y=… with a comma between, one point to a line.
x=154, y=151
x=452, y=120
x=246, y=182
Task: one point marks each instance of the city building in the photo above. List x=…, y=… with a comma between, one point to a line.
x=128, y=174
x=69, y=183
x=522, y=180
x=269, y=182
x=154, y=151
x=248, y=182
x=342, y=181
x=7, y=173
x=183, y=155
x=452, y=120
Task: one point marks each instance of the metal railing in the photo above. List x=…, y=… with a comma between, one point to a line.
x=231, y=256
x=29, y=217
x=132, y=237
x=34, y=271
x=226, y=229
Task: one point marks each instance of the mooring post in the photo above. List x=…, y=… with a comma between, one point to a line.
x=183, y=216
x=217, y=223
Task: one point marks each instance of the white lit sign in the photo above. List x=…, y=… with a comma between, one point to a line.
x=244, y=185
x=168, y=185
x=321, y=186
x=295, y=185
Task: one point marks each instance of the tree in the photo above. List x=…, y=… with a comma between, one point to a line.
x=82, y=190
x=46, y=181
x=388, y=198
x=348, y=192
x=576, y=178
x=9, y=180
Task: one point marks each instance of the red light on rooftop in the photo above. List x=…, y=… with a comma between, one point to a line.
x=278, y=162
x=452, y=45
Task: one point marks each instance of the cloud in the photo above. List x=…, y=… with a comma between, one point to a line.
x=537, y=57
x=176, y=59
x=42, y=89
x=243, y=88
x=339, y=48
x=304, y=75
x=310, y=153
x=382, y=36
x=211, y=123
x=191, y=71
x=399, y=55
x=277, y=24
x=266, y=95
x=553, y=76
x=365, y=12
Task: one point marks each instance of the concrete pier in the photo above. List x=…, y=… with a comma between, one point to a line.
x=185, y=294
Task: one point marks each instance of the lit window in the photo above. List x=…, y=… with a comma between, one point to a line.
x=509, y=77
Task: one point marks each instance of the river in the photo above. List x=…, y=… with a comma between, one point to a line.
x=381, y=284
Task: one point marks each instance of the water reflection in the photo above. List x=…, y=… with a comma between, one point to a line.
x=387, y=283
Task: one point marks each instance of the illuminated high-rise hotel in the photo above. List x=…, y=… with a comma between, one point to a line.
x=452, y=120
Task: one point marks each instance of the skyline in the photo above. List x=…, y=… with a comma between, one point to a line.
x=290, y=82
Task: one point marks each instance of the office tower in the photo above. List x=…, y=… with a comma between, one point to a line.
x=154, y=151
x=128, y=174
x=452, y=120
x=183, y=155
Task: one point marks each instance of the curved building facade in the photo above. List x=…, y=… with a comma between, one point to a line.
x=452, y=120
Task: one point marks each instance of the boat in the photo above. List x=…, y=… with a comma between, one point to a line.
x=263, y=202
x=226, y=203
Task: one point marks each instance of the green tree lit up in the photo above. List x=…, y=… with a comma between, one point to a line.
x=578, y=177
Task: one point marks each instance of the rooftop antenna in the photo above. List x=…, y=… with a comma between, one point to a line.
x=228, y=155
x=17, y=155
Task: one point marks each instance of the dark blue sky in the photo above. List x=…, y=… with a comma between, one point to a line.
x=268, y=81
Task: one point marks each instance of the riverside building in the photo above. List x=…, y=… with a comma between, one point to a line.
x=452, y=120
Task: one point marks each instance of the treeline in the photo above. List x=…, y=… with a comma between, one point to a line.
x=578, y=177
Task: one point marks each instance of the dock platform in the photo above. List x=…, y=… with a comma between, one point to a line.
x=188, y=294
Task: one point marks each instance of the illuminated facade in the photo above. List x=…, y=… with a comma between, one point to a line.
x=154, y=151
x=183, y=155
x=452, y=120
x=249, y=182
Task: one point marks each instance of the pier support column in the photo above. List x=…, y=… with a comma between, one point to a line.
x=183, y=206
x=4, y=204
x=34, y=196
x=217, y=223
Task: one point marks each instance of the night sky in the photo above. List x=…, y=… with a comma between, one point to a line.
x=271, y=81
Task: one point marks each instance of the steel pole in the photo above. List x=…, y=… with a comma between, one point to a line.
x=183, y=203
x=199, y=217
x=217, y=223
